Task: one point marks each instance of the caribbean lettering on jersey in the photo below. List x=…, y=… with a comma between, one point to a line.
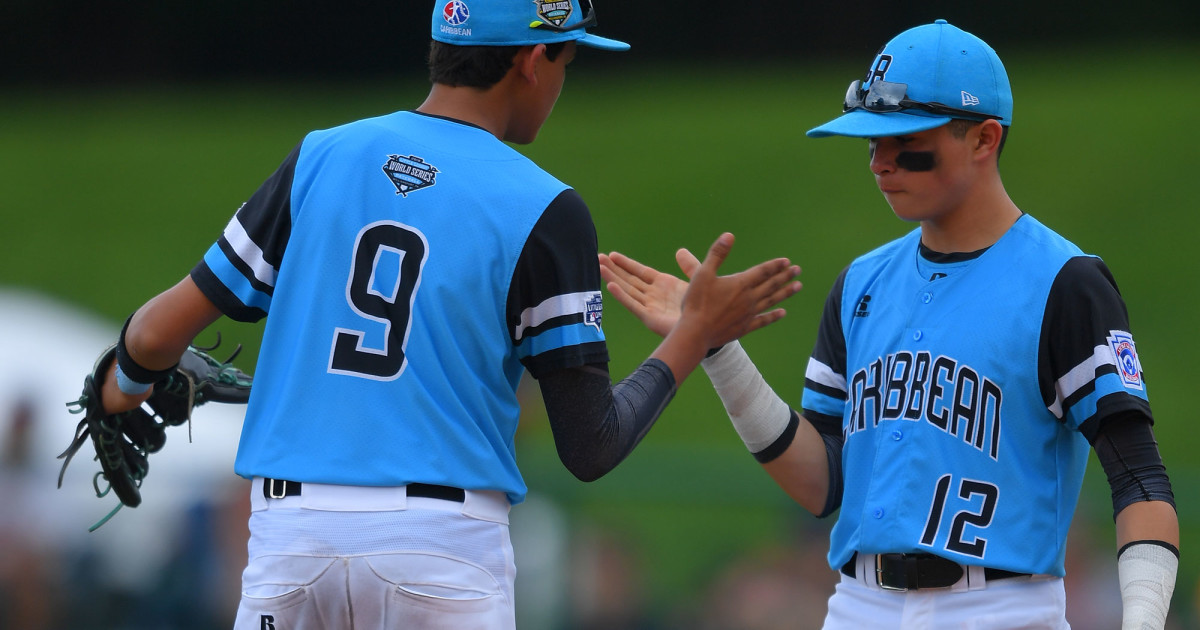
x=947, y=394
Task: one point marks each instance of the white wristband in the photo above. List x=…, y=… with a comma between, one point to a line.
x=1146, y=572
x=758, y=414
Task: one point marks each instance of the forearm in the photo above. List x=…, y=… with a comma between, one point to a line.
x=681, y=350
x=596, y=425
x=1147, y=563
x=1147, y=520
x=802, y=471
x=1146, y=523
x=163, y=328
x=788, y=446
x=153, y=340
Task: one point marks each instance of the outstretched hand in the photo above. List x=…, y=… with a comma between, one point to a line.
x=720, y=309
x=654, y=297
x=723, y=308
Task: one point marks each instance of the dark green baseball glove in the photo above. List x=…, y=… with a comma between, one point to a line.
x=124, y=441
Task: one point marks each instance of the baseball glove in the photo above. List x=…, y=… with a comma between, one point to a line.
x=123, y=441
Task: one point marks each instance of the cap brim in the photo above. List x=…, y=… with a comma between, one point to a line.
x=603, y=43
x=861, y=123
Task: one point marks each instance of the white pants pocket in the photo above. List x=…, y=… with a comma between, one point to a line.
x=431, y=592
x=276, y=593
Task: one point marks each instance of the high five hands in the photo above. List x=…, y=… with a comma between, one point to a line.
x=716, y=308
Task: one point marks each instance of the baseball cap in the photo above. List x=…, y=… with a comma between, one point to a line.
x=517, y=23
x=921, y=79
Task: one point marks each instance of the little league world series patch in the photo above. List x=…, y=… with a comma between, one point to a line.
x=409, y=173
x=1125, y=355
x=593, y=310
x=554, y=11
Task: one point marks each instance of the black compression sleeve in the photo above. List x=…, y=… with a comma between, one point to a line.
x=596, y=424
x=1127, y=450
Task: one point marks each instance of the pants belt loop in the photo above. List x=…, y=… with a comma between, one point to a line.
x=486, y=505
x=976, y=581
x=864, y=571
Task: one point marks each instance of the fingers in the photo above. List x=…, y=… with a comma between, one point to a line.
x=779, y=287
x=687, y=261
x=763, y=320
x=616, y=275
x=634, y=305
x=629, y=268
x=717, y=253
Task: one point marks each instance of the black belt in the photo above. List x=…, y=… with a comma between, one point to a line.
x=279, y=488
x=912, y=571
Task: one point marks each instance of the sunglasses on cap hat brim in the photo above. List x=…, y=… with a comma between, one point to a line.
x=885, y=96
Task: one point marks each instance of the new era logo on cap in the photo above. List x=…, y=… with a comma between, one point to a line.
x=969, y=99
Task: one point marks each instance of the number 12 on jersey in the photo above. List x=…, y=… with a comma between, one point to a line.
x=978, y=501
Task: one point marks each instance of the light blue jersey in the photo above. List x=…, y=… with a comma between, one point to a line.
x=411, y=268
x=960, y=388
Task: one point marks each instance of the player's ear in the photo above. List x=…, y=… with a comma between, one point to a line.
x=526, y=61
x=987, y=137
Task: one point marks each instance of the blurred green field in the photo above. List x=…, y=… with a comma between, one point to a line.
x=110, y=195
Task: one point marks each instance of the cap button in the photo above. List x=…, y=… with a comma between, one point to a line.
x=940, y=21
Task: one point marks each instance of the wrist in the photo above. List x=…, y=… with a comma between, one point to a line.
x=130, y=372
x=758, y=414
x=1146, y=570
x=130, y=386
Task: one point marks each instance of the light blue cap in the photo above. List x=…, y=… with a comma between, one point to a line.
x=509, y=23
x=940, y=63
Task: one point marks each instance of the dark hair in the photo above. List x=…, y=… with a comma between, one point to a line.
x=959, y=126
x=476, y=66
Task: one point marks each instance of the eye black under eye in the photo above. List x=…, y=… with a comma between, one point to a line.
x=916, y=161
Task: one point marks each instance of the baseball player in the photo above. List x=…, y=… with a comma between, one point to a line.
x=959, y=375
x=411, y=267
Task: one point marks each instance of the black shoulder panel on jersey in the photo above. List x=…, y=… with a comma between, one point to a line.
x=223, y=298
x=830, y=347
x=267, y=215
x=560, y=257
x=1083, y=308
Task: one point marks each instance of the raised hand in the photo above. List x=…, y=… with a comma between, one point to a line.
x=654, y=297
x=720, y=309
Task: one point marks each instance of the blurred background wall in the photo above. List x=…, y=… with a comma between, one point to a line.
x=47, y=41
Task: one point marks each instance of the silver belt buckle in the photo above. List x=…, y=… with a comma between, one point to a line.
x=879, y=578
x=271, y=492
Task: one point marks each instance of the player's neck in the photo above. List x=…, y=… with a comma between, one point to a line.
x=972, y=227
x=472, y=105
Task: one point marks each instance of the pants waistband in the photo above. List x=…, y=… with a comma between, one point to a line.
x=914, y=571
x=487, y=505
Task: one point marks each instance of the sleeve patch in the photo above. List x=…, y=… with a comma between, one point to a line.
x=1126, y=359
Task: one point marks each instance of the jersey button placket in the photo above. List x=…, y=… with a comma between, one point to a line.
x=923, y=298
